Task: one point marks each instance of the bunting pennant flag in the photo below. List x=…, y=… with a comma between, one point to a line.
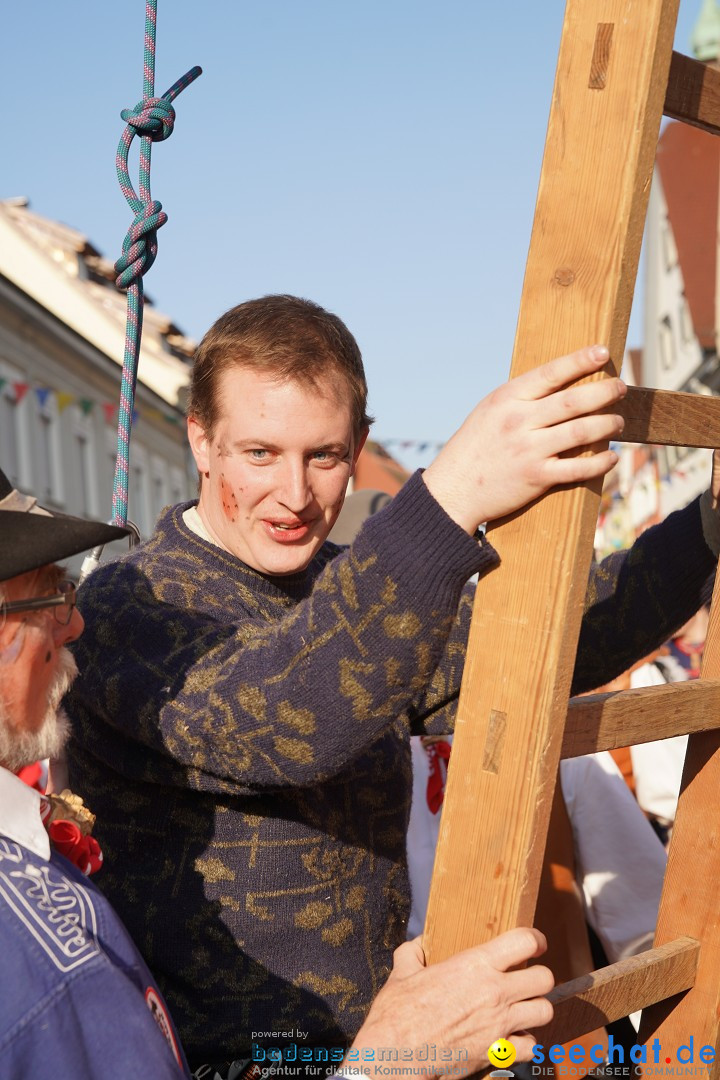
x=63, y=398
x=419, y=446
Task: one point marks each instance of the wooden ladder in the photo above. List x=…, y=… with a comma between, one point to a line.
x=616, y=75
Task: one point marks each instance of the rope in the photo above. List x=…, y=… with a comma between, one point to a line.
x=153, y=119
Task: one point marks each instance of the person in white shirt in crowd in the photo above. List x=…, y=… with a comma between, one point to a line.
x=657, y=766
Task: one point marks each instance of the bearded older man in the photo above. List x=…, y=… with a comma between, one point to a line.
x=76, y=1000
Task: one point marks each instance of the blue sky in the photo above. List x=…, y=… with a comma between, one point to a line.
x=378, y=156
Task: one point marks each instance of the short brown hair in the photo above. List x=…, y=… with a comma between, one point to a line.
x=286, y=336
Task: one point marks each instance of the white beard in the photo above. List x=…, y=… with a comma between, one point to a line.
x=20, y=748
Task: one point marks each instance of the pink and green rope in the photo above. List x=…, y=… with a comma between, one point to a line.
x=153, y=119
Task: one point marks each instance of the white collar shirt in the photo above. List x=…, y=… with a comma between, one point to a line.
x=20, y=815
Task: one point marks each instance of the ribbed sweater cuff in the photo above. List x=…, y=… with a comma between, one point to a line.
x=421, y=545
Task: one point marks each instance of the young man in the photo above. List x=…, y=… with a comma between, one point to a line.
x=75, y=995
x=242, y=723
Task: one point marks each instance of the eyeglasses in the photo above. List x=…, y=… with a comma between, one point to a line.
x=63, y=604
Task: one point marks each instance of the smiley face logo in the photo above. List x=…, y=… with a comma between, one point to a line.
x=501, y=1053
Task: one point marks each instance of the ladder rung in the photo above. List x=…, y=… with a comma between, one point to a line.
x=593, y=1000
x=670, y=418
x=626, y=717
x=693, y=93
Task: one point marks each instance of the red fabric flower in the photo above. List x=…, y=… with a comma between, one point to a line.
x=82, y=851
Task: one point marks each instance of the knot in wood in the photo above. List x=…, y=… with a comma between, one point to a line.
x=564, y=275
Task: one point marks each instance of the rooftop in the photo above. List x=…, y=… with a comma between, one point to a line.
x=688, y=161
x=60, y=269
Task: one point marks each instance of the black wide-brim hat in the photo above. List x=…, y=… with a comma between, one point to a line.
x=31, y=536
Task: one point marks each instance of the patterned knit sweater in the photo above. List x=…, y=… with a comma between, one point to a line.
x=244, y=742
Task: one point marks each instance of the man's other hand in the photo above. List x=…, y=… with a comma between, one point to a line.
x=462, y=1005
x=526, y=437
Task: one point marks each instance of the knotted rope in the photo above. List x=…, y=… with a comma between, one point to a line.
x=153, y=119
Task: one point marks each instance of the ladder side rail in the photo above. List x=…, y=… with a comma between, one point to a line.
x=689, y=903
x=604, y=123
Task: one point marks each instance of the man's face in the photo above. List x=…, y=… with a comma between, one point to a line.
x=35, y=671
x=276, y=469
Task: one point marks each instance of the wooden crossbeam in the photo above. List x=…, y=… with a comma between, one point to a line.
x=693, y=93
x=606, y=995
x=604, y=122
x=670, y=418
x=625, y=718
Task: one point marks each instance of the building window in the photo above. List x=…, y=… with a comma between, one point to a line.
x=670, y=254
x=15, y=458
x=84, y=462
x=9, y=436
x=139, y=494
x=48, y=487
x=45, y=454
x=111, y=451
x=111, y=445
x=668, y=459
x=686, y=324
x=666, y=344
x=178, y=485
x=159, y=486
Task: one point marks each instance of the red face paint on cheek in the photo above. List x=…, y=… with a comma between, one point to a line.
x=229, y=501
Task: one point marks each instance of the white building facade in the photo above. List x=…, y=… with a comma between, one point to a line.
x=62, y=330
